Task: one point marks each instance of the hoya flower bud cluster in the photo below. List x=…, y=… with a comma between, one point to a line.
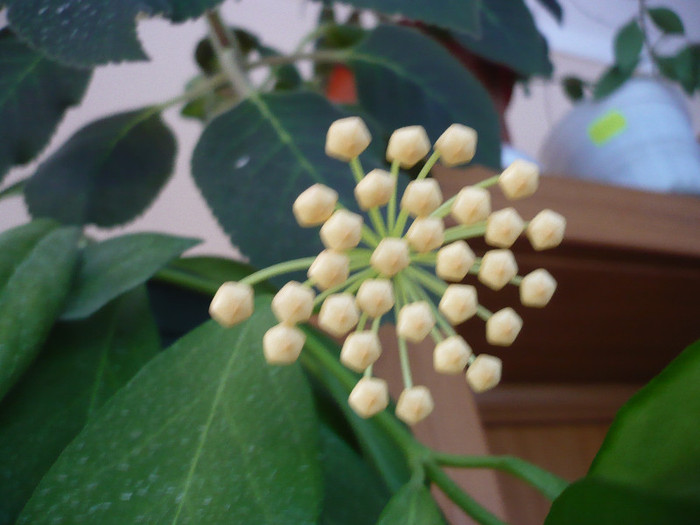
x=400, y=259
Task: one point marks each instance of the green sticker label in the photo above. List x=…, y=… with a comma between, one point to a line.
x=607, y=127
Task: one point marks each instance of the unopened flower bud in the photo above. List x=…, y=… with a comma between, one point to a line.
x=426, y=234
x=484, y=373
x=342, y=231
x=408, y=145
x=414, y=405
x=360, y=350
x=390, y=256
x=456, y=145
x=232, y=303
x=375, y=189
x=338, y=314
x=458, y=303
x=293, y=303
x=537, y=288
x=314, y=205
x=497, y=268
x=503, y=227
x=472, y=205
x=503, y=327
x=369, y=397
x=454, y=261
x=415, y=321
x=330, y=268
x=375, y=297
x=347, y=138
x=282, y=344
x=421, y=197
x=451, y=355
x=519, y=180
x=546, y=230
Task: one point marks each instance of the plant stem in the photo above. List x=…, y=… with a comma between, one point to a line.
x=205, y=87
x=226, y=48
x=391, y=209
x=465, y=232
x=316, y=56
x=278, y=269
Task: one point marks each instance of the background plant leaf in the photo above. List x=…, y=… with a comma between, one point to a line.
x=628, y=44
x=610, y=81
x=252, y=162
x=207, y=432
x=667, y=20
x=405, y=78
x=107, y=173
x=683, y=67
x=81, y=365
x=573, y=87
x=509, y=37
x=412, y=505
x=110, y=268
x=32, y=297
x=92, y=32
x=34, y=95
x=554, y=8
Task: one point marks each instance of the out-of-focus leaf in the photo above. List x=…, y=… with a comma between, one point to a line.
x=81, y=365
x=207, y=432
x=412, y=505
x=612, y=79
x=107, y=173
x=573, y=87
x=34, y=95
x=666, y=20
x=110, y=268
x=554, y=8
x=628, y=44
x=684, y=67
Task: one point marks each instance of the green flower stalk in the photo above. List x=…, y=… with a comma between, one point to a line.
x=367, y=270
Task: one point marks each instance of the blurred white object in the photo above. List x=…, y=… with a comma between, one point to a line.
x=641, y=136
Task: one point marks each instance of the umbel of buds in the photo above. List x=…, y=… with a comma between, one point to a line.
x=399, y=260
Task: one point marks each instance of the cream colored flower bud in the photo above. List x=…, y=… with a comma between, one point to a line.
x=503, y=227
x=330, y=268
x=360, y=350
x=414, y=405
x=472, y=205
x=415, y=321
x=408, y=145
x=342, y=231
x=375, y=297
x=451, y=355
x=232, y=303
x=338, y=314
x=484, y=373
x=347, y=138
x=293, y=303
x=519, y=180
x=375, y=189
x=537, y=288
x=282, y=344
x=369, y=397
x=454, y=261
x=426, y=234
x=458, y=303
x=503, y=327
x=546, y=230
x=421, y=197
x=456, y=145
x=497, y=268
x=314, y=205
x=390, y=256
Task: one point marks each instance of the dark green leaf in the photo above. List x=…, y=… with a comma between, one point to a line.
x=612, y=79
x=207, y=432
x=107, y=173
x=80, y=367
x=600, y=502
x=460, y=15
x=628, y=44
x=412, y=505
x=110, y=268
x=573, y=87
x=16, y=244
x=353, y=492
x=509, y=37
x=405, y=78
x=666, y=20
x=34, y=95
x=684, y=67
x=33, y=297
x=92, y=32
x=252, y=162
